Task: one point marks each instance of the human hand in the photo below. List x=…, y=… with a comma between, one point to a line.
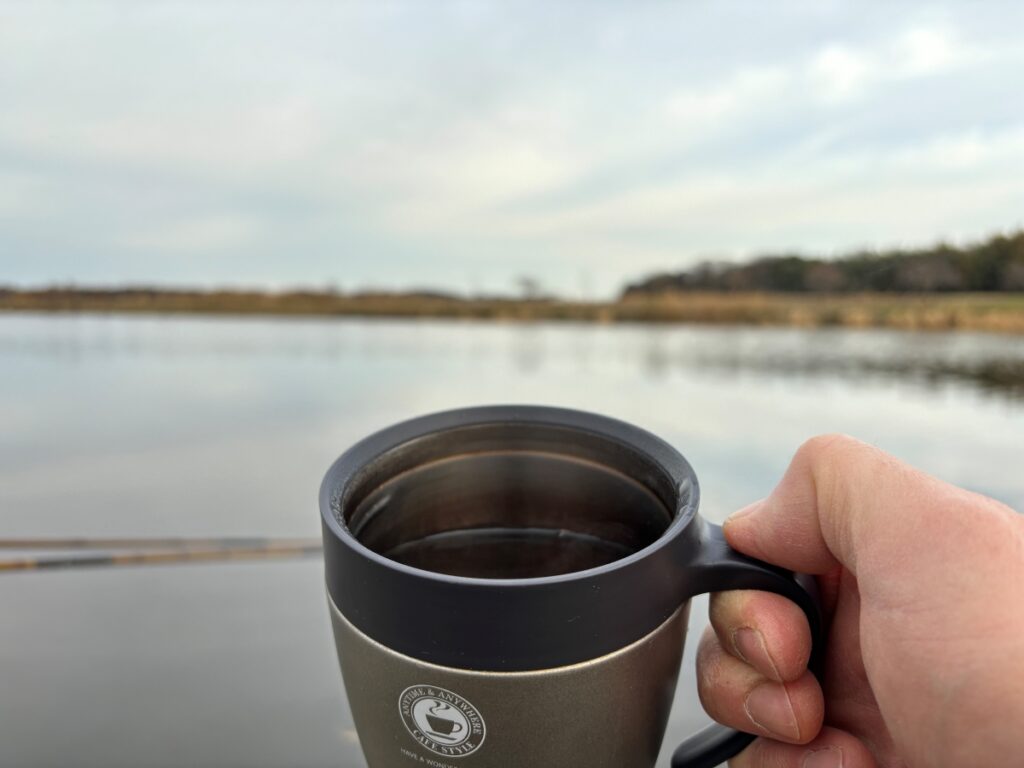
x=923, y=590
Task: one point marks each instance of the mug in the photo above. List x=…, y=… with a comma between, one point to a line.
x=509, y=586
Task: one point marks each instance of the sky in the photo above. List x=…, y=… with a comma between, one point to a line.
x=464, y=145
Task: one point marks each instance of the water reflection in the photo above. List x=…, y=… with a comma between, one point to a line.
x=991, y=364
x=216, y=427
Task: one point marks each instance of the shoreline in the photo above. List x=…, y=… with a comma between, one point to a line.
x=988, y=312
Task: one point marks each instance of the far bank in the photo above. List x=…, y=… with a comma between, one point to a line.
x=993, y=312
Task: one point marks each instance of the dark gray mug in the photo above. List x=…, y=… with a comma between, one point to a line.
x=509, y=588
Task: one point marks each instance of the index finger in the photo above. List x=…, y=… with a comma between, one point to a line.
x=839, y=501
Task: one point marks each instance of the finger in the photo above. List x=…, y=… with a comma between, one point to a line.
x=735, y=694
x=831, y=749
x=833, y=503
x=767, y=631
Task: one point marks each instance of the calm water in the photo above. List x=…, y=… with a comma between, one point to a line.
x=196, y=427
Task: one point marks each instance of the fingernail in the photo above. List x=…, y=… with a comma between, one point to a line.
x=824, y=758
x=769, y=708
x=749, y=644
x=747, y=510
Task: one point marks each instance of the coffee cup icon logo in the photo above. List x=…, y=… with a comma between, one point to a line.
x=440, y=725
x=442, y=721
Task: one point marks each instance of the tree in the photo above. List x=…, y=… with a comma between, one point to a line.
x=529, y=288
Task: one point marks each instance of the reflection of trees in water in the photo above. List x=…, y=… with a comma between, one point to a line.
x=156, y=342
x=581, y=350
x=656, y=356
x=1002, y=377
x=989, y=364
x=528, y=348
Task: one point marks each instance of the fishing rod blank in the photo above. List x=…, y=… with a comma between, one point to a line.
x=277, y=550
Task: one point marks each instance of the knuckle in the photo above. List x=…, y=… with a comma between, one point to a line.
x=709, y=668
x=827, y=460
x=822, y=450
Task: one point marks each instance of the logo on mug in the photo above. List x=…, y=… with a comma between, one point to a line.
x=442, y=721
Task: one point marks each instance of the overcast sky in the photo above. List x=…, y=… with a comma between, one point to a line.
x=464, y=144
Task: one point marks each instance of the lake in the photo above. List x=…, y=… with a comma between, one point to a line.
x=183, y=426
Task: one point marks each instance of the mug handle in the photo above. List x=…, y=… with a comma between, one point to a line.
x=720, y=568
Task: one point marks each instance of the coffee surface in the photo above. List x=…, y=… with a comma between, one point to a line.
x=509, y=515
x=508, y=553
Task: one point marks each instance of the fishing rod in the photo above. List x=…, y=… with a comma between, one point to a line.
x=129, y=552
x=164, y=542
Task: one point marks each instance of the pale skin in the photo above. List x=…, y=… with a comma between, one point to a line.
x=923, y=590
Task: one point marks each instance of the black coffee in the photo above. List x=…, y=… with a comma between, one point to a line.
x=508, y=553
x=509, y=515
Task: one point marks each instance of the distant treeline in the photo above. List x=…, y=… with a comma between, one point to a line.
x=994, y=265
x=977, y=288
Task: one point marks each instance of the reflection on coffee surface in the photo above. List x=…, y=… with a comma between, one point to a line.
x=509, y=515
x=509, y=553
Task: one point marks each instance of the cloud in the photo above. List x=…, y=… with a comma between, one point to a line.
x=741, y=93
x=200, y=234
x=924, y=51
x=842, y=72
x=395, y=144
x=968, y=152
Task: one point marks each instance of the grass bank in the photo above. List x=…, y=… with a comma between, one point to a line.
x=995, y=312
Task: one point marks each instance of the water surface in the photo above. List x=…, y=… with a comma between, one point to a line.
x=147, y=426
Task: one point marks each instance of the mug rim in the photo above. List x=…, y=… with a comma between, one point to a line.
x=508, y=625
x=344, y=469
